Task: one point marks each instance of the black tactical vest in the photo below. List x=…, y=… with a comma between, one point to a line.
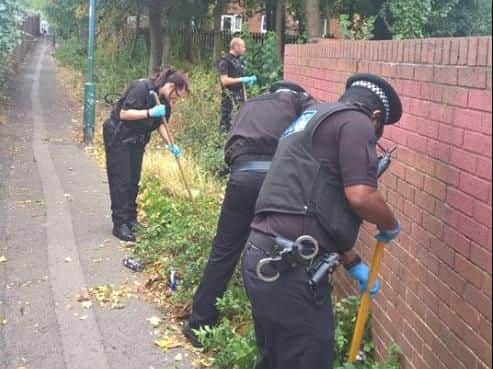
x=236, y=69
x=259, y=124
x=299, y=184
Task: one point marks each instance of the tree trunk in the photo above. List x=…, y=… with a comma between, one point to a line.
x=313, y=19
x=156, y=54
x=280, y=26
x=166, y=45
x=218, y=44
x=270, y=14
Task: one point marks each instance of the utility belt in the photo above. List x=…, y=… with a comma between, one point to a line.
x=283, y=255
x=251, y=166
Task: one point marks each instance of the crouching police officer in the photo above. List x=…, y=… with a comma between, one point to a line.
x=232, y=76
x=249, y=151
x=322, y=183
x=127, y=131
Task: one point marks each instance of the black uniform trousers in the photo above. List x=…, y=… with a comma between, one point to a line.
x=230, y=100
x=294, y=324
x=124, y=166
x=232, y=232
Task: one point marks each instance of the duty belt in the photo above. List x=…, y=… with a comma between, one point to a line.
x=251, y=166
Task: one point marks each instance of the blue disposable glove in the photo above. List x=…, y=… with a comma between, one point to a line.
x=388, y=236
x=158, y=111
x=361, y=273
x=175, y=150
x=249, y=80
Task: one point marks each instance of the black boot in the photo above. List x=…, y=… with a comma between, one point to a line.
x=123, y=233
x=190, y=335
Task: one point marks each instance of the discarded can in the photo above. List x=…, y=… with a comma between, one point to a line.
x=133, y=264
x=173, y=281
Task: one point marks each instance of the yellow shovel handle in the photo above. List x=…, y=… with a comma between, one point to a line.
x=364, y=309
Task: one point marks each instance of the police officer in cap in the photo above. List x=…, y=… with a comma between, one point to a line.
x=126, y=133
x=322, y=183
x=249, y=151
x=232, y=76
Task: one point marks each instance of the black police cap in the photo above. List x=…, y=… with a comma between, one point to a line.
x=384, y=91
x=279, y=85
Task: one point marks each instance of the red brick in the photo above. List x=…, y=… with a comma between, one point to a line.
x=460, y=201
x=420, y=235
x=478, y=143
x=431, y=358
x=452, y=279
x=469, y=271
x=425, y=201
x=474, y=186
x=454, y=51
x=433, y=225
x=479, y=346
x=483, y=51
x=457, y=241
x=431, y=263
x=438, y=150
x=482, y=213
x=486, y=124
x=432, y=91
x=425, y=164
x=457, y=96
x=468, y=313
x=479, y=300
x=463, y=51
x=455, y=345
x=441, y=113
x=415, y=178
x=412, y=212
x=463, y=160
x=447, y=174
x=481, y=257
x=451, y=135
x=411, y=88
x=420, y=108
x=472, y=77
x=446, y=75
x=427, y=127
x=472, y=57
x=474, y=231
x=416, y=142
x=398, y=169
x=450, y=318
x=480, y=100
x=423, y=73
x=404, y=71
x=486, y=329
x=405, y=189
x=442, y=251
x=435, y=188
x=469, y=119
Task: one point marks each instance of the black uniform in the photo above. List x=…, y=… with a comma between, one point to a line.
x=249, y=150
x=124, y=143
x=232, y=96
x=330, y=147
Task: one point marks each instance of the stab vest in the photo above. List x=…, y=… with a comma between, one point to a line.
x=236, y=69
x=299, y=184
x=259, y=124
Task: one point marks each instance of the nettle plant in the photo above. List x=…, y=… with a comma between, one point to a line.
x=9, y=33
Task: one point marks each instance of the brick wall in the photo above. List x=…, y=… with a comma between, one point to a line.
x=437, y=279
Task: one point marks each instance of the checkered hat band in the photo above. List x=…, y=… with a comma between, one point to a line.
x=377, y=90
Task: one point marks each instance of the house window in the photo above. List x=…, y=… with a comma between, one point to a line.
x=231, y=23
x=263, y=24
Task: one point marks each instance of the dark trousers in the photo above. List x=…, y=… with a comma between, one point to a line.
x=230, y=101
x=123, y=165
x=294, y=323
x=232, y=232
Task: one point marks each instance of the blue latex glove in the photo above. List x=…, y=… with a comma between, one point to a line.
x=388, y=236
x=175, y=150
x=158, y=111
x=361, y=273
x=249, y=80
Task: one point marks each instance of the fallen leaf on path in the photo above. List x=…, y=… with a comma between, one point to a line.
x=154, y=321
x=86, y=304
x=166, y=344
x=3, y=259
x=68, y=259
x=3, y=321
x=179, y=357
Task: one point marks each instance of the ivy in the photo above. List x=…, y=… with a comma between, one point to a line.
x=9, y=33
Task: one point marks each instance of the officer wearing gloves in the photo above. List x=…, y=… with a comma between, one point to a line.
x=249, y=151
x=127, y=131
x=322, y=183
x=232, y=76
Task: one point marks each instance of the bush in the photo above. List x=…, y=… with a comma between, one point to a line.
x=9, y=33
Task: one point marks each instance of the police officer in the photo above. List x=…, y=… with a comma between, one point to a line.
x=127, y=131
x=249, y=151
x=322, y=183
x=232, y=76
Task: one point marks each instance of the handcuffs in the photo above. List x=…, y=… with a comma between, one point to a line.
x=292, y=253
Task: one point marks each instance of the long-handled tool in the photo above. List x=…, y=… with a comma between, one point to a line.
x=364, y=309
x=171, y=142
